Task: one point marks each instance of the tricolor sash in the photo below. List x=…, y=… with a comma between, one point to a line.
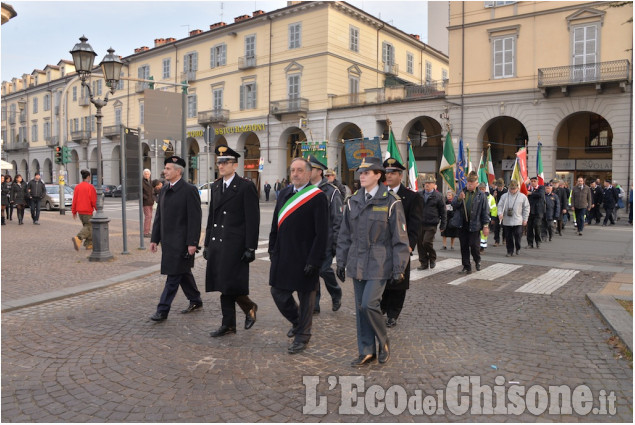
x=296, y=201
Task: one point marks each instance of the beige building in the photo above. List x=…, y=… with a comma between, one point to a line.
x=313, y=71
x=558, y=73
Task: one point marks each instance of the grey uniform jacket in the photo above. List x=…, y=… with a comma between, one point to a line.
x=373, y=239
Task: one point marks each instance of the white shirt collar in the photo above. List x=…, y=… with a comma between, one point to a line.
x=373, y=192
x=228, y=181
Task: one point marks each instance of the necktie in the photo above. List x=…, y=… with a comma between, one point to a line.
x=224, y=187
x=368, y=197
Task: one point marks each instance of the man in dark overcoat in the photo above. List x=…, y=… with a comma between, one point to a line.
x=231, y=239
x=297, y=245
x=177, y=227
x=395, y=293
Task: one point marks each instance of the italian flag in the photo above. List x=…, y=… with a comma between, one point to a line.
x=393, y=151
x=539, y=172
x=412, y=170
x=448, y=161
x=490, y=166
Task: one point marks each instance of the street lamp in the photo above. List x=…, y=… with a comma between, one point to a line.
x=83, y=57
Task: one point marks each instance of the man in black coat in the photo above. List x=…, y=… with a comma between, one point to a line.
x=537, y=209
x=297, y=245
x=434, y=212
x=610, y=197
x=395, y=294
x=231, y=239
x=36, y=191
x=177, y=227
x=596, y=197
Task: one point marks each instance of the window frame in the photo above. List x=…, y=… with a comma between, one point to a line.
x=166, y=67
x=353, y=38
x=295, y=35
x=410, y=60
x=214, y=55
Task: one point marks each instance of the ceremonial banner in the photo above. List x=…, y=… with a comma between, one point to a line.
x=461, y=168
x=317, y=149
x=447, y=162
x=358, y=149
x=412, y=170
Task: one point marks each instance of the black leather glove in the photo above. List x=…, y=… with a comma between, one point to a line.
x=310, y=270
x=397, y=278
x=248, y=256
x=205, y=252
x=341, y=273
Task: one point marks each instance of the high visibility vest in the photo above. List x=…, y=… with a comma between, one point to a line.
x=493, y=209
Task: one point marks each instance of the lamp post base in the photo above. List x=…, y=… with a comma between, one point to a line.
x=101, y=249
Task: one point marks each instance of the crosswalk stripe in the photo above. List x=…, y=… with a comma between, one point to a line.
x=489, y=273
x=441, y=266
x=547, y=283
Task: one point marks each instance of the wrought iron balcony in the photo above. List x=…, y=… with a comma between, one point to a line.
x=215, y=116
x=112, y=131
x=289, y=106
x=246, y=62
x=16, y=146
x=594, y=73
x=140, y=87
x=80, y=136
x=391, y=68
x=189, y=76
x=429, y=89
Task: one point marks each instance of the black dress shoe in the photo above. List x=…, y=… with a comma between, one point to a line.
x=391, y=323
x=384, y=353
x=292, y=332
x=316, y=311
x=478, y=267
x=466, y=270
x=432, y=264
x=363, y=360
x=336, y=305
x=250, y=318
x=190, y=308
x=159, y=317
x=223, y=330
x=423, y=267
x=297, y=347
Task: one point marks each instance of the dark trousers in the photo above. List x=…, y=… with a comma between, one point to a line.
x=580, y=218
x=392, y=302
x=608, y=215
x=425, y=246
x=371, y=325
x=496, y=227
x=327, y=273
x=470, y=242
x=301, y=317
x=513, y=235
x=547, y=228
x=228, y=307
x=267, y=195
x=559, y=225
x=187, y=283
x=594, y=214
x=533, y=229
x=35, y=208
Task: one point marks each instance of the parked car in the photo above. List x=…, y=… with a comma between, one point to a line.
x=52, y=199
x=116, y=192
x=204, y=192
x=108, y=189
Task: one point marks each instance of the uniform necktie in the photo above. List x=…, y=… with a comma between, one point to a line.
x=368, y=197
x=224, y=187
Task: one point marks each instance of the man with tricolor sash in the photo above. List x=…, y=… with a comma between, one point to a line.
x=297, y=246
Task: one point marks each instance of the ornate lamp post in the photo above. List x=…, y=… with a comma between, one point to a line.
x=83, y=57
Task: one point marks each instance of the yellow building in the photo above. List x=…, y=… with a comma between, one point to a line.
x=558, y=73
x=313, y=71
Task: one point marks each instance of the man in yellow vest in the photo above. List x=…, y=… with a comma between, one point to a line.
x=493, y=211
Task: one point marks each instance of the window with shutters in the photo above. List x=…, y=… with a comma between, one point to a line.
x=118, y=116
x=47, y=102
x=293, y=90
x=503, y=56
x=217, y=99
x=141, y=112
x=218, y=55
x=191, y=105
x=353, y=39
x=584, y=40
x=34, y=133
x=295, y=31
x=250, y=46
x=35, y=105
x=248, y=95
x=143, y=73
x=410, y=60
x=428, y=72
x=74, y=94
x=46, y=130
x=388, y=53
x=190, y=62
x=166, y=68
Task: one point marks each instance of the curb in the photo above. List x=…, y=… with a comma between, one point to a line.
x=615, y=316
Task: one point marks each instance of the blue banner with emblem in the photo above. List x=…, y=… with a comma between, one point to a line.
x=358, y=149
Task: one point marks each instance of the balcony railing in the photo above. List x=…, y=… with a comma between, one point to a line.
x=84, y=101
x=601, y=72
x=190, y=76
x=80, y=136
x=391, y=68
x=16, y=146
x=140, y=87
x=289, y=106
x=51, y=140
x=215, y=116
x=246, y=62
x=431, y=90
x=112, y=131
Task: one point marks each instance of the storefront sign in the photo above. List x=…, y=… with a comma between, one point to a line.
x=565, y=164
x=196, y=133
x=240, y=129
x=594, y=164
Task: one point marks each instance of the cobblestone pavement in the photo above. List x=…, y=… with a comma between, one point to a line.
x=97, y=357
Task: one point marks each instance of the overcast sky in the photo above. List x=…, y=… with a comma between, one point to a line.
x=44, y=32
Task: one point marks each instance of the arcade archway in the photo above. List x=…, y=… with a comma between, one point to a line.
x=346, y=131
x=505, y=135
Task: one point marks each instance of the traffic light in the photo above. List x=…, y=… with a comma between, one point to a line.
x=58, y=155
x=194, y=163
x=151, y=85
x=66, y=155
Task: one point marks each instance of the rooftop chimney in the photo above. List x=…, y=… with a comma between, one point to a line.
x=170, y=40
x=415, y=36
x=258, y=13
x=159, y=41
x=217, y=25
x=194, y=32
x=241, y=18
x=141, y=49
